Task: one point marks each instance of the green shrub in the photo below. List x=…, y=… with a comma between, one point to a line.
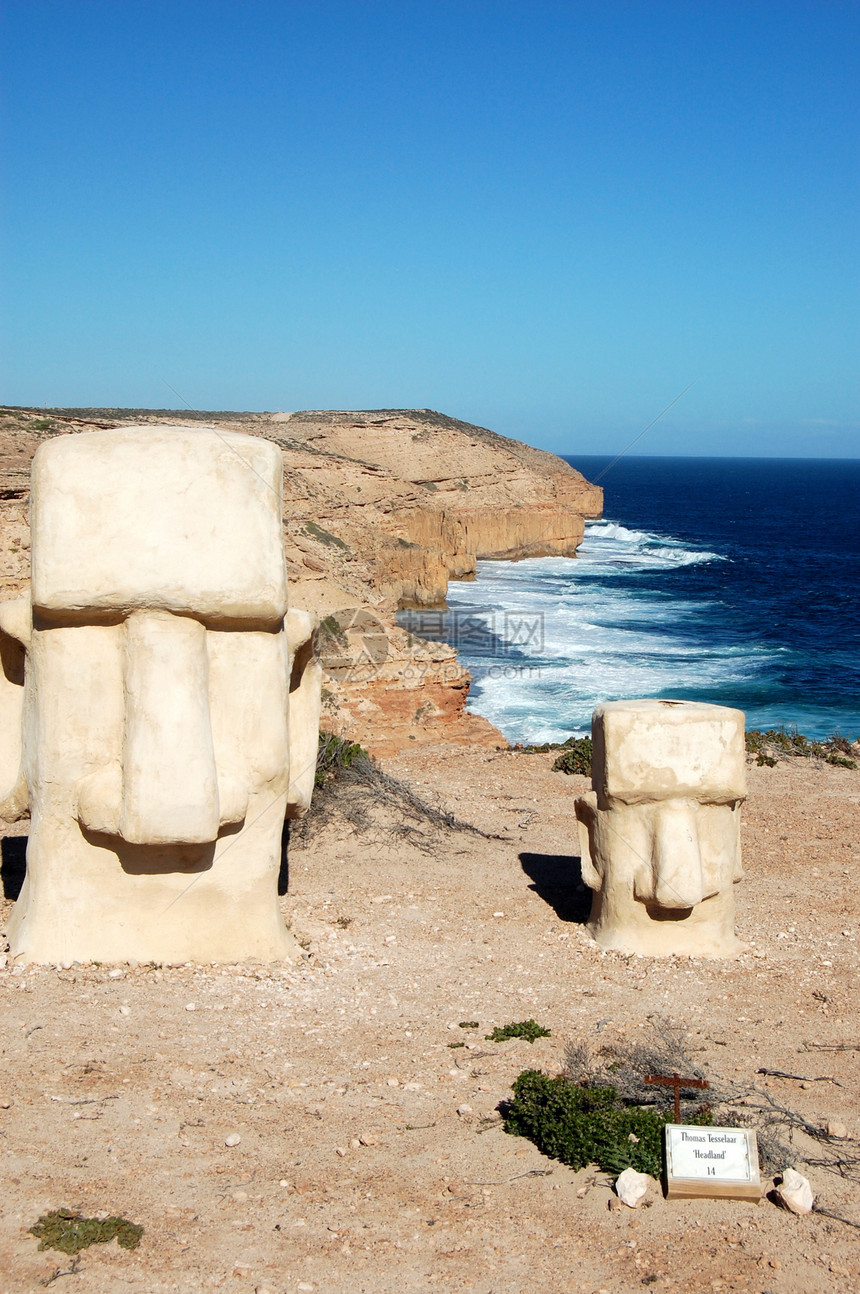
x=769, y=745
x=528, y=1029
x=70, y=1232
x=581, y=1125
x=575, y=757
x=324, y=536
x=335, y=753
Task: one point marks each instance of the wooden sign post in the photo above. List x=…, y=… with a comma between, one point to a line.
x=718, y=1163
x=672, y=1080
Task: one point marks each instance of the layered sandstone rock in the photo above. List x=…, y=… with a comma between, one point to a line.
x=381, y=509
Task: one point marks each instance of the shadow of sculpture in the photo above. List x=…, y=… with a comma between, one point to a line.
x=557, y=879
x=13, y=865
x=284, y=871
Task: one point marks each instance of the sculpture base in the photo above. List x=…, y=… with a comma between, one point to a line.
x=91, y=898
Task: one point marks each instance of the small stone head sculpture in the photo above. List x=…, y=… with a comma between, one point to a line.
x=159, y=705
x=660, y=831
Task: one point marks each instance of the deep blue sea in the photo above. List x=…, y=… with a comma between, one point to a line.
x=734, y=581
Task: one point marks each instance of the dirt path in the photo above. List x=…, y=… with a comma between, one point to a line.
x=370, y=1156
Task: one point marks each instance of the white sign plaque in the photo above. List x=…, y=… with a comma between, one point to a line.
x=720, y=1162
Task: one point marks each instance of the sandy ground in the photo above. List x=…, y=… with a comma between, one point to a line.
x=354, y=1170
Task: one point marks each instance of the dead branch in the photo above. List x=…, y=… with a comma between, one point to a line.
x=799, y=1078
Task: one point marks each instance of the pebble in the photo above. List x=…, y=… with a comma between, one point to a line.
x=631, y=1187
x=835, y=1128
x=232, y=1140
x=116, y=973
x=125, y=1010
x=464, y=1109
x=340, y=1150
x=368, y=1139
x=795, y=1192
x=239, y=1196
x=190, y=1006
x=305, y=1286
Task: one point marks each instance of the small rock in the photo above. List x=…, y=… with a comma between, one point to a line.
x=116, y=973
x=5, y=1103
x=190, y=1006
x=464, y=1109
x=355, y=1143
x=239, y=1196
x=125, y=1010
x=835, y=1128
x=232, y=1140
x=582, y=1192
x=305, y=1287
x=795, y=1192
x=368, y=1139
x=631, y=1187
x=340, y=1150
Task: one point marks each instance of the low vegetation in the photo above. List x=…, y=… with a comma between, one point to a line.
x=769, y=747
x=70, y=1232
x=350, y=786
x=528, y=1029
x=780, y=743
x=575, y=754
x=582, y=1124
x=323, y=536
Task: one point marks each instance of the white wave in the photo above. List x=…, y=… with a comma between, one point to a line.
x=608, y=541
x=547, y=638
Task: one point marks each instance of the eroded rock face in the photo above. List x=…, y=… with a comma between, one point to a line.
x=660, y=832
x=160, y=703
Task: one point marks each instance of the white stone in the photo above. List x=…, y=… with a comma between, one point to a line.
x=835, y=1128
x=631, y=1187
x=232, y=1139
x=796, y=1192
x=660, y=831
x=159, y=705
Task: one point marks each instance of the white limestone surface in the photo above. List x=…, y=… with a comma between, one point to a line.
x=157, y=702
x=660, y=831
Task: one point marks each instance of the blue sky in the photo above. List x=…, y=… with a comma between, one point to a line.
x=548, y=218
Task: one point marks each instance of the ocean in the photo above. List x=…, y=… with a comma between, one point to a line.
x=727, y=580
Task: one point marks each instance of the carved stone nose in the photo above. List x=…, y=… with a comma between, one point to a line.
x=676, y=856
x=166, y=790
x=170, y=783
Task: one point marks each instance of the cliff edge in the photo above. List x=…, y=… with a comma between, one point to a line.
x=381, y=509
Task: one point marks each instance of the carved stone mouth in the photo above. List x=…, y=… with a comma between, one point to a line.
x=658, y=913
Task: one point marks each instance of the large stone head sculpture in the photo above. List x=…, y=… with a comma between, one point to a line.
x=159, y=705
x=660, y=831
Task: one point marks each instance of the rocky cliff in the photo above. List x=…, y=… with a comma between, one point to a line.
x=381, y=510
